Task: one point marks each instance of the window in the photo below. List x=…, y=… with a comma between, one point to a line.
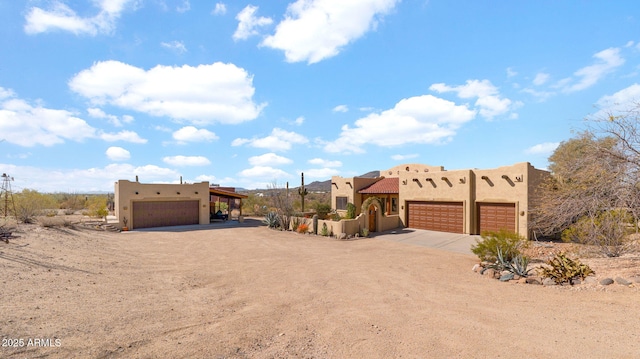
x=341, y=203
x=394, y=205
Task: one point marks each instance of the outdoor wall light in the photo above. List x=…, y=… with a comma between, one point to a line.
x=462, y=180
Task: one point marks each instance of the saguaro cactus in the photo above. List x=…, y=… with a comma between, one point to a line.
x=302, y=192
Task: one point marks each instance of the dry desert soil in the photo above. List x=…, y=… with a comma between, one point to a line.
x=246, y=291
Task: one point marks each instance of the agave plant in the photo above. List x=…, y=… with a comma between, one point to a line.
x=516, y=266
x=272, y=220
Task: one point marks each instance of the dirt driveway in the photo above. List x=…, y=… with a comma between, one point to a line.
x=250, y=292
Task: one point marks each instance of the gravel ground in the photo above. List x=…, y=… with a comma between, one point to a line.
x=251, y=292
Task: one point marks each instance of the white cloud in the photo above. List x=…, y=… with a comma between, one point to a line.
x=26, y=125
x=618, y=103
x=299, y=121
x=314, y=30
x=404, y=157
x=62, y=17
x=192, y=134
x=606, y=61
x=248, y=22
x=127, y=136
x=541, y=78
x=489, y=101
x=186, y=160
x=423, y=119
x=325, y=163
x=269, y=159
x=278, y=140
x=175, y=46
x=219, y=9
x=86, y=180
x=341, y=108
x=114, y=120
x=202, y=95
x=184, y=7
x=321, y=173
x=511, y=72
x=264, y=172
x=117, y=154
x=542, y=148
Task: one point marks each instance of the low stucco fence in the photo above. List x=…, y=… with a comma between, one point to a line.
x=350, y=227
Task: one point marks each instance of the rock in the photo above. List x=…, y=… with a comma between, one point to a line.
x=622, y=281
x=635, y=279
x=575, y=281
x=490, y=272
x=506, y=277
x=516, y=277
x=477, y=268
x=522, y=281
x=606, y=281
x=548, y=282
x=590, y=280
x=342, y=236
x=533, y=280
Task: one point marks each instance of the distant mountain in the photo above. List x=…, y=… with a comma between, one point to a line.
x=317, y=186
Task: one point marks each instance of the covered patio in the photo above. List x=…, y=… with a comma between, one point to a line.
x=223, y=201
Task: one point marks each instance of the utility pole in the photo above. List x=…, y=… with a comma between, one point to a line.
x=7, y=195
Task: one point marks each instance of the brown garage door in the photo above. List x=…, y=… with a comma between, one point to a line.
x=496, y=216
x=165, y=213
x=436, y=216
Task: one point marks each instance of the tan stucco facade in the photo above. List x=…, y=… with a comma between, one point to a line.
x=128, y=192
x=513, y=185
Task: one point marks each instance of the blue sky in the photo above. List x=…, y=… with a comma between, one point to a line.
x=247, y=94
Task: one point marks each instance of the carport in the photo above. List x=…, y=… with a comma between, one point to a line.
x=228, y=195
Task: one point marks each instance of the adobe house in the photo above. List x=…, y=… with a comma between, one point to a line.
x=145, y=205
x=430, y=197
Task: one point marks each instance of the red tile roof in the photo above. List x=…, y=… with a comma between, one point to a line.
x=385, y=185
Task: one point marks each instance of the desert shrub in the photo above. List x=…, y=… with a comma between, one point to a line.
x=97, y=206
x=364, y=232
x=607, y=230
x=351, y=211
x=335, y=216
x=565, y=270
x=324, y=231
x=322, y=209
x=30, y=203
x=272, y=220
x=295, y=223
x=505, y=242
x=303, y=228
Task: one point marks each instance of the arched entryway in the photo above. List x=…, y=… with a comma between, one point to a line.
x=372, y=207
x=373, y=217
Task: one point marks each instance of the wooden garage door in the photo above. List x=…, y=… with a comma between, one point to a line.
x=496, y=216
x=436, y=216
x=165, y=213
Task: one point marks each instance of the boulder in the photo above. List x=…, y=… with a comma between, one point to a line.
x=622, y=281
x=342, y=236
x=606, y=281
x=548, y=282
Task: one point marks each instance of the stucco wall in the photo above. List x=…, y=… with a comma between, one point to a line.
x=441, y=186
x=515, y=184
x=126, y=192
x=349, y=187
